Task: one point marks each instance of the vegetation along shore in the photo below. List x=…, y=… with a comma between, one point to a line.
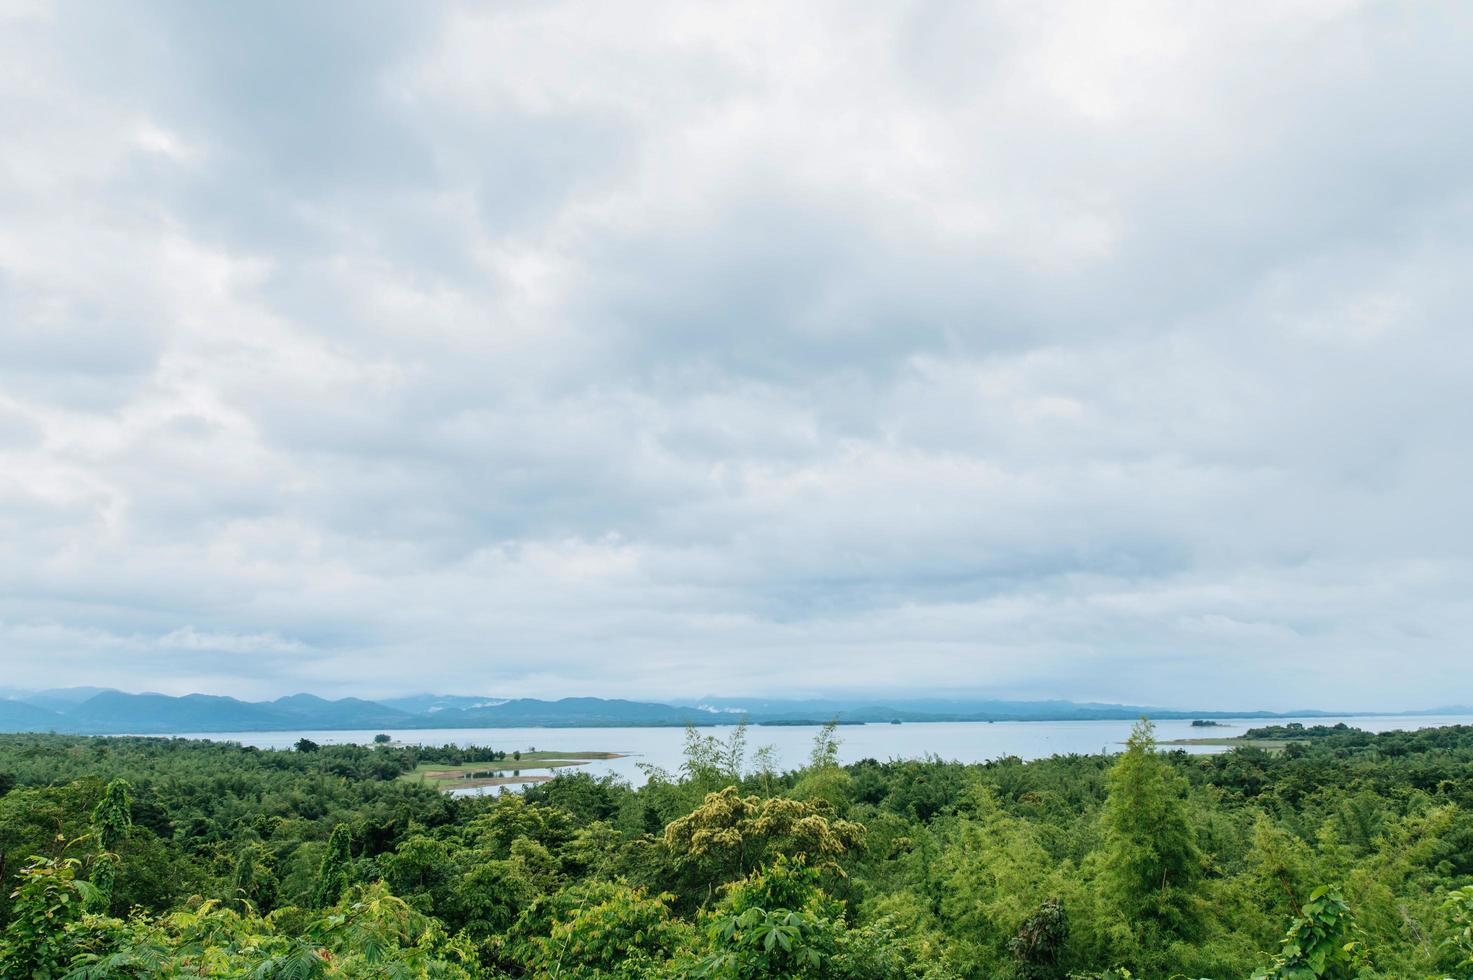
x=1339, y=854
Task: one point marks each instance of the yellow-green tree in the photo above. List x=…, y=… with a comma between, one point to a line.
x=730, y=835
x=1152, y=864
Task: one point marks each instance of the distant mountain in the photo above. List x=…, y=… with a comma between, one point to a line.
x=98, y=711
x=918, y=709
x=310, y=710
x=428, y=704
x=116, y=712
x=54, y=699
x=767, y=710
x=584, y=712
x=18, y=716
x=146, y=714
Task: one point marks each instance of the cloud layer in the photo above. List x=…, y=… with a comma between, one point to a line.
x=1105, y=351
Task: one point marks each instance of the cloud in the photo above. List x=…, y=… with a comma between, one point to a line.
x=1112, y=354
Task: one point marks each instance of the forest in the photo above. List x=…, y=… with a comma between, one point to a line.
x=1344, y=855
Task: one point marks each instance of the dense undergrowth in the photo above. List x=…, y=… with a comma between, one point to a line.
x=1346, y=855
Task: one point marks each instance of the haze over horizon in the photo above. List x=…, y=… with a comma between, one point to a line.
x=540, y=350
x=76, y=694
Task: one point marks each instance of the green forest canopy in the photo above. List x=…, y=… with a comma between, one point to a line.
x=1347, y=855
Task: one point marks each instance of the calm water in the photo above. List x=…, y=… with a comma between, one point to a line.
x=969, y=741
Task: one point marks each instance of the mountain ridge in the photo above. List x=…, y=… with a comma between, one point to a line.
x=112, y=712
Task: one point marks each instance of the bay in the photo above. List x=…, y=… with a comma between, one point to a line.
x=969, y=741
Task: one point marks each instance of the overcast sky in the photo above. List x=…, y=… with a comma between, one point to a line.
x=1112, y=351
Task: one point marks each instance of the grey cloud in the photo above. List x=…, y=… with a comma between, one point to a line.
x=1109, y=354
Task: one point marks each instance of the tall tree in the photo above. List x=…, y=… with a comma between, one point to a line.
x=254, y=880
x=112, y=821
x=1152, y=862
x=112, y=818
x=332, y=876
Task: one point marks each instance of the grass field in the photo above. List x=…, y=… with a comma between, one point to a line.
x=1268, y=744
x=532, y=767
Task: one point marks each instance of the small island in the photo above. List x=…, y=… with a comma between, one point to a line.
x=1272, y=738
x=521, y=768
x=1205, y=723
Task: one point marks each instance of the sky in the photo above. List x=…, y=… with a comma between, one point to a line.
x=1106, y=351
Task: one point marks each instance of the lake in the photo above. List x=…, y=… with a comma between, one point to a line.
x=968, y=741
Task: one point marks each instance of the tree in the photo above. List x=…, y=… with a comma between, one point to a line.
x=514, y=818
x=825, y=779
x=112, y=821
x=253, y=882
x=825, y=752
x=729, y=835
x=764, y=761
x=332, y=875
x=613, y=931
x=112, y=818
x=734, y=752
x=711, y=763
x=1152, y=864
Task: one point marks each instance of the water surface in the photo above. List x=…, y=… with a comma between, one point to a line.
x=963, y=741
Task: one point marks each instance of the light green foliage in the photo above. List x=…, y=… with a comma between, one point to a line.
x=1283, y=866
x=764, y=761
x=759, y=943
x=1459, y=944
x=780, y=923
x=784, y=884
x=371, y=934
x=729, y=835
x=734, y=752
x=824, y=779
x=1150, y=859
x=711, y=763
x=995, y=871
x=514, y=819
x=48, y=900
x=614, y=931
x=825, y=752
x=1321, y=943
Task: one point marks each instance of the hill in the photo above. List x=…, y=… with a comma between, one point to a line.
x=18, y=716
x=96, y=711
x=585, y=712
x=308, y=710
